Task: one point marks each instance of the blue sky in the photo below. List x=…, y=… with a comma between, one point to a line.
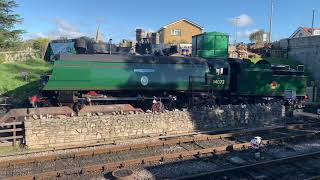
x=118, y=19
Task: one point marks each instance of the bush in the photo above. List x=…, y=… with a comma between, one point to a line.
x=41, y=45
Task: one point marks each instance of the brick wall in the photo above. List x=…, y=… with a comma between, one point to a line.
x=79, y=130
x=187, y=31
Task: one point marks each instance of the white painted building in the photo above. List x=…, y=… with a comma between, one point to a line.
x=305, y=32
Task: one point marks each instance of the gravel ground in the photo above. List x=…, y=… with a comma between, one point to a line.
x=294, y=149
x=214, y=162
x=105, y=158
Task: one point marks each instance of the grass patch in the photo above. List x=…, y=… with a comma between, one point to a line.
x=12, y=83
x=255, y=59
x=11, y=149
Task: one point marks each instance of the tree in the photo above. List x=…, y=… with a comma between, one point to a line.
x=257, y=36
x=9, y=37
x=41, y=44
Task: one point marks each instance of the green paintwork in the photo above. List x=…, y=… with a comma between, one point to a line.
x=215, y=74
x=91, y=75
x=210, y=45
x=257, y=81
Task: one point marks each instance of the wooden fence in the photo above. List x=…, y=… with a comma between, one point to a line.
x=10, y=133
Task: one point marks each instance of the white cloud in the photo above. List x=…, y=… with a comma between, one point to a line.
x=62, y=28
x=242, y=20
x=246, y=33
x=41, y=35
x=65, y=25
x=242, y=36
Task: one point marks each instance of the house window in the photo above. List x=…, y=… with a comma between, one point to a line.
x=300, y=34
x=176, y=32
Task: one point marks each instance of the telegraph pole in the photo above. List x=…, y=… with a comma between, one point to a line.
x=236, y=33
x=312, y=21
x=270, y=25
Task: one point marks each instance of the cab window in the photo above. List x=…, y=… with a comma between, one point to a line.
x=222, y=71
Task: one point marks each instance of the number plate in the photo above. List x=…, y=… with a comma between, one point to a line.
x=219, y=81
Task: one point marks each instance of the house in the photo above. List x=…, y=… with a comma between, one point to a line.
x=305, y=32
x=179, y=32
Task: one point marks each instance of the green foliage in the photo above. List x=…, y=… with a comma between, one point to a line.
x=257, y=36
x=12, y=84
x=11, y=149
x=9, y=37
x=40, y=43
x=255, y=59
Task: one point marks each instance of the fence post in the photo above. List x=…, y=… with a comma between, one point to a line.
x=14, y=133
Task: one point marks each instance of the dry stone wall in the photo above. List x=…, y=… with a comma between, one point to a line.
x=14, y=56
x=47, y=131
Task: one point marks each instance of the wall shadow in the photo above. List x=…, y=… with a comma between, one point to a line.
x=18, y=98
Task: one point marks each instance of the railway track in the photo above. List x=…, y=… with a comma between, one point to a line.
x=306, y=165
x=166, y=149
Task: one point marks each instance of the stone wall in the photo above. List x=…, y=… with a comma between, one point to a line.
x=10, y=56
x=47, y=131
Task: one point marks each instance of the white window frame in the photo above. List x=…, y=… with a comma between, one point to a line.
x=176, y=32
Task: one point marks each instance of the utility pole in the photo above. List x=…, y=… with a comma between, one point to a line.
x=312, y=22
x=236, y=33
x=270, y=25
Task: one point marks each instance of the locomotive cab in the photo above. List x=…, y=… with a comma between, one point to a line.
x=218, y=77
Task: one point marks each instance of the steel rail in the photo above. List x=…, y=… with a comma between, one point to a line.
x=255, y=165
x=155, y=158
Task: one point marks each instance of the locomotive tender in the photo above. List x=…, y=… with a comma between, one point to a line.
x=210, y=78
